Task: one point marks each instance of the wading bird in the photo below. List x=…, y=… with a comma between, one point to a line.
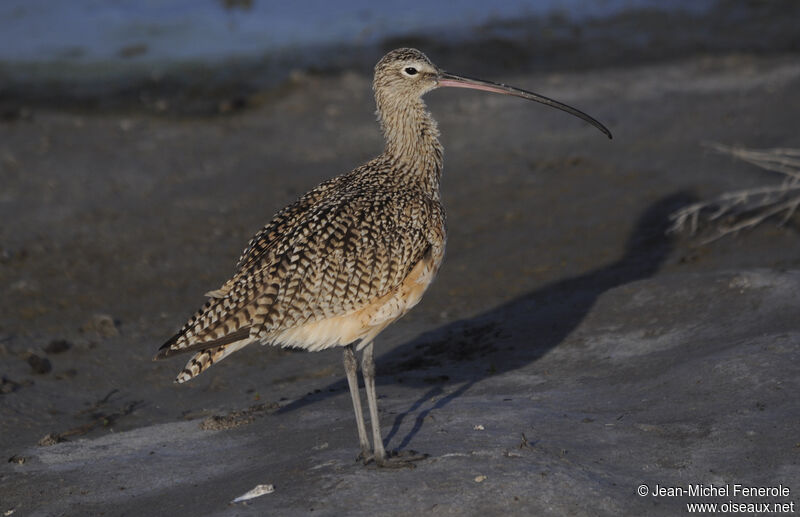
x=351, y=256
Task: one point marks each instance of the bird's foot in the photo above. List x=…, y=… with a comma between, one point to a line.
x=392, y=459
x=365, y=457
x=400, y=460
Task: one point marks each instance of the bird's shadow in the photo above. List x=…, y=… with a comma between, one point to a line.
x=459, y=352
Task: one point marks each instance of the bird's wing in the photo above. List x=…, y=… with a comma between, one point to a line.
x=334, y=257
x=281, y=224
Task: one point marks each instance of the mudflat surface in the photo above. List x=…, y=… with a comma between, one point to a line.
x=569, y=351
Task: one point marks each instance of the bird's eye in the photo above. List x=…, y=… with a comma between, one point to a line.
x=410, y=70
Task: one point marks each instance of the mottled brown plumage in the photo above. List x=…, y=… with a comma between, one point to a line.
x=349, y=257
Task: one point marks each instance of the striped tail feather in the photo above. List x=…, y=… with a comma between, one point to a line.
x=202, y=360
x=218, y=322
x=177, y=344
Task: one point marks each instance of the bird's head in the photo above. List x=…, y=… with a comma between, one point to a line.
x=405, y=74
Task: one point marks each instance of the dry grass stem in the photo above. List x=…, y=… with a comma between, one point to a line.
x=732, y=212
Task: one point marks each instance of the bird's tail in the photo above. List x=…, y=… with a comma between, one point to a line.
x=202, y=360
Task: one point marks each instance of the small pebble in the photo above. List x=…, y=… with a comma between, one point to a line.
x=39, y=365
x=58, y=346
x=102, y=324
x=50, y=439
x=480, y=479
x=8, y=386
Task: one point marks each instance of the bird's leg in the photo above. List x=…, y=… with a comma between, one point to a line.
x=368, y=371
x=351, y=370
x=381, y=459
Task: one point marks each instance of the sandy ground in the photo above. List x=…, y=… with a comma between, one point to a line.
x=569, y=351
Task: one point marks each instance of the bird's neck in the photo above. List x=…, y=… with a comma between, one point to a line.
x=412, y=141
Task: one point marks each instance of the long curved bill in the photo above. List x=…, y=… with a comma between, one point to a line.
x=458, y=81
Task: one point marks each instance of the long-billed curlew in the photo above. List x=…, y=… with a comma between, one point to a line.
x=352, y=255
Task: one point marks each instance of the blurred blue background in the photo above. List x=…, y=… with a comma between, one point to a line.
x=207, y=56
x=85, y=31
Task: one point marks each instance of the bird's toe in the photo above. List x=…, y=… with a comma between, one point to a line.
x=400, y=460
